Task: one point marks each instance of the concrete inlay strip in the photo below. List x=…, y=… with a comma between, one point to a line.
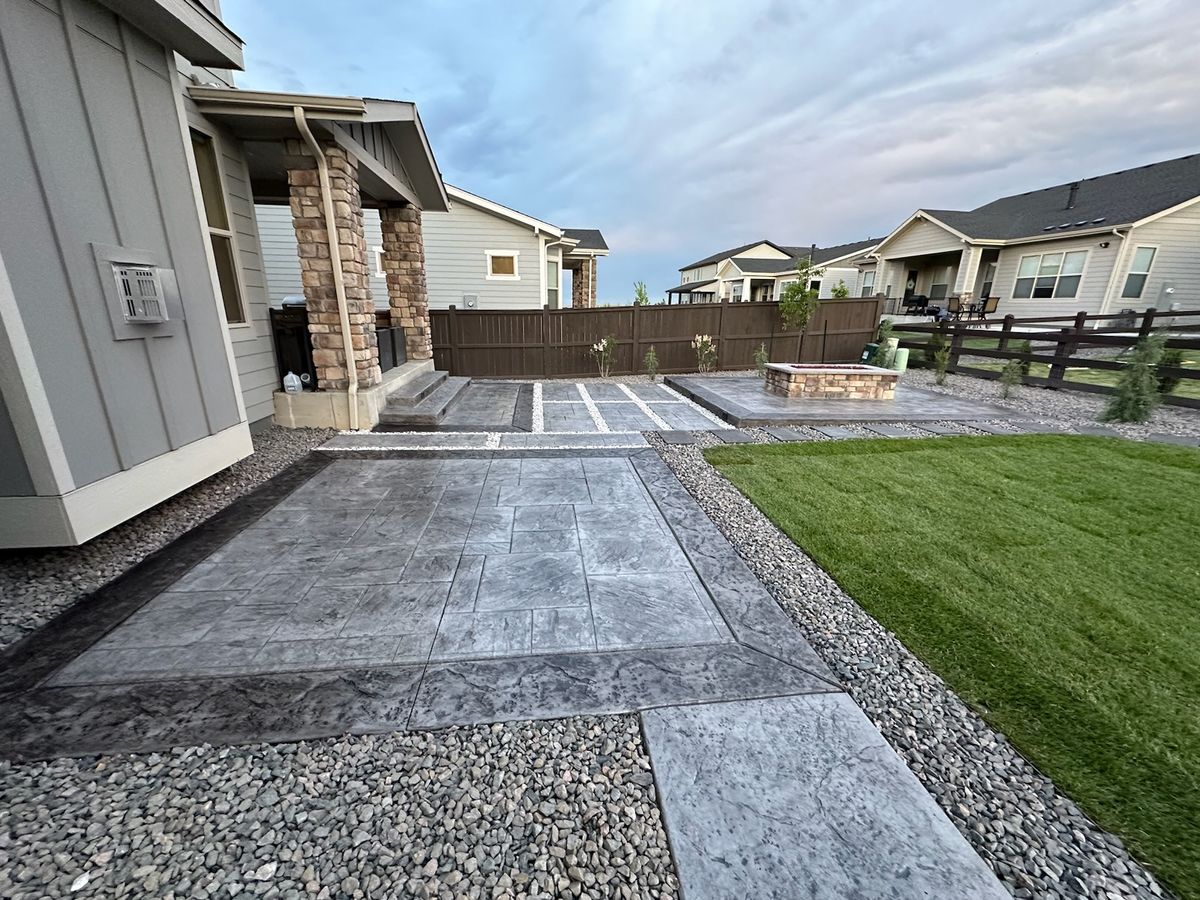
x=801, y=797
x=645, y=408
x=593, y=410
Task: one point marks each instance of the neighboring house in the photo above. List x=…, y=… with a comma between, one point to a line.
x=1130, y=239
x=135, y=350
x=759, y=272
x=478, y=255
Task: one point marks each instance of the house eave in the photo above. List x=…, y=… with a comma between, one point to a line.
x=186, y=27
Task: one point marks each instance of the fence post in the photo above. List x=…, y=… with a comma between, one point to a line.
x=545, y=342
x=1005, y=330
x=1147, y=322
x=633, y=363
x=721, y=331
x=452, y=327
x=955, y=351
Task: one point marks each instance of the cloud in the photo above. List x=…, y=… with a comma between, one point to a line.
x=680, y=127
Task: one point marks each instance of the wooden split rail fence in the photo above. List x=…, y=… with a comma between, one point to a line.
x=1085, y=332
x=557, y=343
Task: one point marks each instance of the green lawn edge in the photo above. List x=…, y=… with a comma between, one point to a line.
x=1067, y=615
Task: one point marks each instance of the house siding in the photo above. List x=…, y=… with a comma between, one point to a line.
x=110, y=168
x=15, y=480
x=1090, y=296
x=1176, y=263
x=921, y=237
x=456, y=264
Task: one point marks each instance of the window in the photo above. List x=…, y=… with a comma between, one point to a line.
x=219, y=233
x=815, y=285
x=552, y=283
x=1049, y=275
x=502, y=265
x=989, y=275
x=939, y=283
x=735, y=292
x=1139, y=270
x=377, y=252
x=768, y=292
x=868, y=285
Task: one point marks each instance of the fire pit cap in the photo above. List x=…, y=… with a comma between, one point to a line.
x=830, y=369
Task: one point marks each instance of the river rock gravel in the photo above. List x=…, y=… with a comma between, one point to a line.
x=1036, y=840
x=36, y=585
x=565, y=808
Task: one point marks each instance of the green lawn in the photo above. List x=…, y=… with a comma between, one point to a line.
x=1053, y=581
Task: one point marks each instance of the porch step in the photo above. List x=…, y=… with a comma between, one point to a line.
x=426, y=410
x=418, y=389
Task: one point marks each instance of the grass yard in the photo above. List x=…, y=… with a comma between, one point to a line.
x=1053, y=581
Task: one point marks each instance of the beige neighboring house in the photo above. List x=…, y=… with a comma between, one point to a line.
x=1130, y=239
x=758, y=272
x=479, y=254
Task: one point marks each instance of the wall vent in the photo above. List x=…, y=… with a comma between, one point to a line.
x=141, y=293
x=471, y=301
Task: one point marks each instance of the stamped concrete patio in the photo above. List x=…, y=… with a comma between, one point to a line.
x=371, y=595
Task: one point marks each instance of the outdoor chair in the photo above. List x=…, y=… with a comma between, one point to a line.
x=989, y=306
x=955, y=308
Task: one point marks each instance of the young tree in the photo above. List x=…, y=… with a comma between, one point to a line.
x=641, y=296
x=798, y=301
x=1137, y=388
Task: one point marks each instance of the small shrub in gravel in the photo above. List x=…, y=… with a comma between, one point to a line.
x=1172, y=358
x=1010, y=377
x=1137, y=387
x=522, y=810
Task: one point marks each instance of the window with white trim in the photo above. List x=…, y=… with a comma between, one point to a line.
x=939, y=283
x=868, y=284
x=1049, y=275
x=502, y=265
x=1139, y=271
x=220, y=235
x=768, y=292
x=553, y=280
x=735, y=292
x=377, y=252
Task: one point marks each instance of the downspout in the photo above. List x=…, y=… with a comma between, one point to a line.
x=335, y=258
x=1118, y=262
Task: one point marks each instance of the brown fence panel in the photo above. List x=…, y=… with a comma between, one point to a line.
x=557, y=343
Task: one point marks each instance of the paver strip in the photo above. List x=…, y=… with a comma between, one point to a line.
x=800, y=796
x=732, y=436
x=887, y=430
x=786, y=434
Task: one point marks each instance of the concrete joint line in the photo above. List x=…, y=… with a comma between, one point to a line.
x=539, y=411
x=641, y=404
x=593, y=409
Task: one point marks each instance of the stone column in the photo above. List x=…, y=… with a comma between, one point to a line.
x=404, y=268
x=968, y=271
x=591, y=282
x=316, y=267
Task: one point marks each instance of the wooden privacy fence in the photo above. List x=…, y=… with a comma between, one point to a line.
x=1085, y=332
x=557, y=343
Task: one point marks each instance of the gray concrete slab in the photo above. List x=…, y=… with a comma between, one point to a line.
x=786, y=434
x=732, y=436
x=990, y=428
x=1041, y=427
x=1097, y=430
x=743, y=401
x=801, y=797
x=678, y=437
x=940, y=430
x=837, y=432
x=1179, y=439
x=884, y=430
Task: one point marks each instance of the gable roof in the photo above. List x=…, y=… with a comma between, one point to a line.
x=1106, y=201
x=588, y=238
x=753, y=265
x=729, y=254
x=840, y=251
x=692, y=287
x=499, y=209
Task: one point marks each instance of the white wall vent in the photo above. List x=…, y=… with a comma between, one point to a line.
x=141, y=293
x=470, y=301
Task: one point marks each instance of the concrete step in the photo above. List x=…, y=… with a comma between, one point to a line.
x=429, y=410
x=416, y=390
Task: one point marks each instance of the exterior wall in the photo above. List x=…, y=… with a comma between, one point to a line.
x=456, y=244
x=921, y=237
x=1176, y=263
x=703, y=273
x=95, y=100
x=1096, y=271
x=15, y=480
x=763, y=251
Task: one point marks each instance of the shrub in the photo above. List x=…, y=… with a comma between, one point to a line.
x=798, y=301
x=761, y=358
x=1024, y=347
x=1172, y=357
x=1010, y=376
x=937, y=341
x=882, y=356
x=650, y=363
x=603, y=352
x=706, y=352
x=839, y=291
x=1137, y=388
x=941, y=361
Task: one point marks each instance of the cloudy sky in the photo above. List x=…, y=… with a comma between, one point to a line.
x=680, y=128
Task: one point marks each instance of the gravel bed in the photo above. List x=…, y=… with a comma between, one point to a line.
x=1036, y=840
x=1069, y=407
x=36, y=585
x=522, y=810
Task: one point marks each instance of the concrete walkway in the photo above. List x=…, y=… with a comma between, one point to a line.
x=444, y=588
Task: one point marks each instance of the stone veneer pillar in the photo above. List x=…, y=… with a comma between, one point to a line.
x=404, y=269
x=316, y=267
x=583, y=284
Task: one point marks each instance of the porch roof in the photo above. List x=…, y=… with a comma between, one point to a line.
x=692, y=287
x=387, y=138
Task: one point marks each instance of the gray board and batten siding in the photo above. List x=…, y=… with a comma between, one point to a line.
x=95, y=158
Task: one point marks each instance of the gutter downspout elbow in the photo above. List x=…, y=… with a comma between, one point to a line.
x=335, y=260
x=1118, y=262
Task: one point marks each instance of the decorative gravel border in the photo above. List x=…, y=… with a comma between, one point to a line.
x=1036, y=840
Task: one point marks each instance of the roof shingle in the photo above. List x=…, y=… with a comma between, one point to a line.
x=589, y=238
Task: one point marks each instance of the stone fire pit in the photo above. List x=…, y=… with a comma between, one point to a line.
x=831, y=382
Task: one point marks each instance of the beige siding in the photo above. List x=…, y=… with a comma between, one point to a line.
x=1176, y=262
x=703, y=273
x=1096, y=271
x=921, y=237
x=456, y=262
